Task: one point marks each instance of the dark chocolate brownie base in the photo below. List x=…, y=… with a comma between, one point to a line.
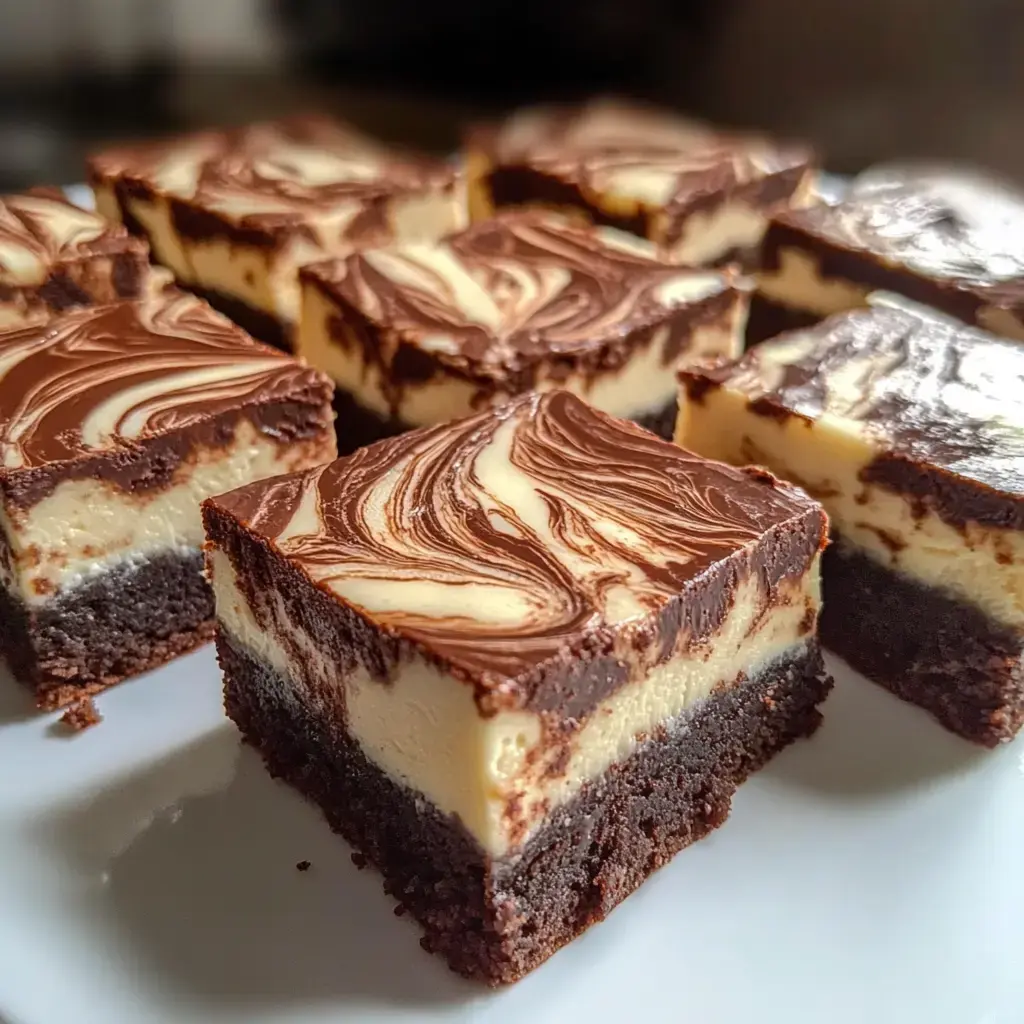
x=494, y=921
x=356, y=426
x=256, y=322
x=929, y=648
x=768, y=319
x=662, y=422
x=124, y=622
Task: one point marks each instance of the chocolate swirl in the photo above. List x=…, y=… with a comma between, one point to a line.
x=507, y=291
x=105, y=378
x=920, y=387
x=954, y=227
x=609, y=147
x=42, y=228
x=501, y=540
x=271, y=175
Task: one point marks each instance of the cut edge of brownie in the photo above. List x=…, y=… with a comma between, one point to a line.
x=497, y=921
x=929, y=648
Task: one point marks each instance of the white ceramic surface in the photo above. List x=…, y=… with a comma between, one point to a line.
x=871, y=875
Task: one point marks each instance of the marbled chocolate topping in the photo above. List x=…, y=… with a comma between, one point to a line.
x=508, y=291
x=502, y=540
x=922, y=389
x=41, y=229
x=956, y=228
x=636, y=152
x=104, y=379
x=273, y=176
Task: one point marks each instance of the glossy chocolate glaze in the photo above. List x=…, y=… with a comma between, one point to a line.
x=942, y=406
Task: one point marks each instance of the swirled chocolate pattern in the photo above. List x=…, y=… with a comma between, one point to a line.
x=921, y=387
x=102, y=379
x=41, y=228
x=270, y=176
x=635, y=152
x=955, y=227
x=522, y=285
x=500, y=540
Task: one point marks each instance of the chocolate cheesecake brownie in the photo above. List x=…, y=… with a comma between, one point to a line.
x=421, y=334
x=701, y=195
x=115, y=422
x=520, y=660
x=948, y=241
x=911, y=432
x=234, y=214
x=56, y=256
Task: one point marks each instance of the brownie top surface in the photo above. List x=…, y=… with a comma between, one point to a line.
x=101, y=379
x=510, y=290
x=41, y=229
x=634, y=151
x=273, y=175
x=923, y=388
x=507, y=538
x=953, y=227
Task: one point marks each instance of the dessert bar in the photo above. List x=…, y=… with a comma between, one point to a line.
x=519, y=660
x=115, y=422
x=420, y=334
x=235, y=213
x=951, y=242
x=55, y=256
x=911, y=432
x=701, y=195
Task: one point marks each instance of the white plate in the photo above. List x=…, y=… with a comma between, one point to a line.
x=872, y=875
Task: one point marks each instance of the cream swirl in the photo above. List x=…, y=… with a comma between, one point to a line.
x=270, y=175
x=636, y=152
x=105, y=378
x=506, y=538
x=508, y=291
x=42, y=228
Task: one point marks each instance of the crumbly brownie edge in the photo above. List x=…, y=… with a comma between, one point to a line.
x=495, y=922
x=925, y=646
x=128, y=620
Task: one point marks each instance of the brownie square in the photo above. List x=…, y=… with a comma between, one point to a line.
x=519, y=661
x=940, y=239
x=235, y=213
x=419, y=334
x=55, y=256
x=115, y=422
x=700, y=194
x=910, y=430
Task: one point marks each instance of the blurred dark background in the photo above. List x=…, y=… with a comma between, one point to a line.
x=866, y=81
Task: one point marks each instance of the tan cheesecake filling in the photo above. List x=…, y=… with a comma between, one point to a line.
x=643, y=383
x=264, y=277
x=799, y=285
x=86, y=527
x=979, y=564
x=502, y=776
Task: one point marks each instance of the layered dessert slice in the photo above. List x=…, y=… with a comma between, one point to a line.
x=55, y=256
x=520, y=660
x=701, y=195
x=115, y=422
x=911, y=432
x=420, y=334
x=948, y=241
x=235, y=213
